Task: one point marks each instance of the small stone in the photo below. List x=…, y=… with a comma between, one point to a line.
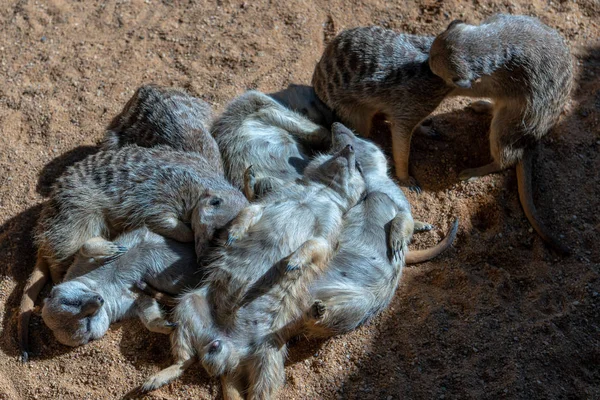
x=43, y=39
x=575, y=303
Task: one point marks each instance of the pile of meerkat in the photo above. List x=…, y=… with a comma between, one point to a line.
x=271, y=220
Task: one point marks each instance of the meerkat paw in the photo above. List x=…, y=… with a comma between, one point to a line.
x=161, y=326
x=468, y=175
x=317, y=310
x=421, y=226
x=156, y=381
x=411, y=183
x=482, y=107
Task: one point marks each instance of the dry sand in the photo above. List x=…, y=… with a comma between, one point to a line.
x=498, y=316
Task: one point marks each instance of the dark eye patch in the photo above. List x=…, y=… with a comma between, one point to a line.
x=71, y=303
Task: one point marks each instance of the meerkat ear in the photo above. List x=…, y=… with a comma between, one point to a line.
x=462, y=83
x=454, y=23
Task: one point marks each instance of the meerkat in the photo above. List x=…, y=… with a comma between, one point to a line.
x=256, y=130
x=115, y=191
x=525, y=67
x=259, y=279
x=369, y=70
x=96, y=293
x=159, y=115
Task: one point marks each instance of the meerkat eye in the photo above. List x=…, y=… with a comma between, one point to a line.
x=216, y=202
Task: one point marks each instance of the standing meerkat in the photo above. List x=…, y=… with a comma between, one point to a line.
x=159, y=115
x=114, y=191
x=525, y=67
x=369, y=70
x=258, y=282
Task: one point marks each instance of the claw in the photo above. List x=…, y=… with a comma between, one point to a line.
x=230, y=240
x=292, y=267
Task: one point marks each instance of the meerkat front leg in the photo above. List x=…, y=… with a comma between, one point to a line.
x=255, y=188
x=314, y=251
x=296, y=125
x=99, y=247
x=242, y=223
x=314, y=314
x=173, y=228
x=401, y=231
x=152, y=316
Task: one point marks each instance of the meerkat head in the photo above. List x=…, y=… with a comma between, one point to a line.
x=75, y=314
x=219, y=357
x=370, y=159
x=338, y=171
x=450, y=56
x=213, y=211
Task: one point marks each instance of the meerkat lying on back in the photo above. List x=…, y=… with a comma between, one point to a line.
x=258, y=281
x=526, y=68
x=158, y=115
x=96, y=293
x=114, y=191
x=255, y=130
x=364, y=71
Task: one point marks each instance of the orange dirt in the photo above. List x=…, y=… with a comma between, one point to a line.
x=498, y=316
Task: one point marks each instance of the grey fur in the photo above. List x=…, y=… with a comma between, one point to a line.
x=255, y=130
x=114, y=191
x=526, y=68
x=369, y=70
x=258, y=282
x=95, y=294
x=159, y=115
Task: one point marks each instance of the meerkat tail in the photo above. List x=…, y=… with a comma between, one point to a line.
x=419, y=256
x=33, y=287
x=524, y=184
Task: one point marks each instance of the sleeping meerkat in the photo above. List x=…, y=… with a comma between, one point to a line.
x=369, y=70
x=97, y=292
x=258, y=281
x=158, y=115
x=114, y=191
x=259, y=132
x=525, y=67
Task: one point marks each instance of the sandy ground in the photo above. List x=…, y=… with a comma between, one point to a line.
x=498, y=316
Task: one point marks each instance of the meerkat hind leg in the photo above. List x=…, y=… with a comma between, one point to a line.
x=401, y=151
x=471, y=174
